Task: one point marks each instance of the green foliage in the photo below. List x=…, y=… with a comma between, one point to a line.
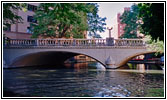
x=130, y=65
x=155, y=45
x=155, y=92
x=63, y=19
x=10, y=13
x=95, y=23
x=129, y=18
x=152, y=15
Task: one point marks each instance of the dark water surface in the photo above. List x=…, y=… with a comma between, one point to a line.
x=81, y=82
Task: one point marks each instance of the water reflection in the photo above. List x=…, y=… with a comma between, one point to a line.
x=142, y=67
x=80, y=82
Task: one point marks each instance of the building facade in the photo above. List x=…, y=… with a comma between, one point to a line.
x=22, y=30
x=118, y=27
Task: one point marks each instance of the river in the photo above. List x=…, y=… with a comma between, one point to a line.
x=81, y=80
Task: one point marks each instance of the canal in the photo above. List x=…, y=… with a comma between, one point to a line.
x=83, y=80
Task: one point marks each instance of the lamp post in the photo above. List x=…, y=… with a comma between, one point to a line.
x=109, y=31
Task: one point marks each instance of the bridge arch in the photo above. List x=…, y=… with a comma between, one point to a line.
x=124, y=61
x=43, y=58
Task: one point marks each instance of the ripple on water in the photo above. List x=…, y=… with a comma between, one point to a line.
x=113, y=91
x=70, y=83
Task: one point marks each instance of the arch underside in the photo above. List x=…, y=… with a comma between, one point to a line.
x=124, y=61
x=45, y=58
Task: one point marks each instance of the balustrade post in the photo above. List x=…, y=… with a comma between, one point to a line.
x=143, y=43
x=36, y=42
x=59, y=42
x=110, y=41
x=74, y=42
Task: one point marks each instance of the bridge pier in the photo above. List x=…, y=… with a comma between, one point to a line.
x=110, y=63
x=5, y=65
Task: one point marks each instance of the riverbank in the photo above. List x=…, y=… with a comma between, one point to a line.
x=155, y=92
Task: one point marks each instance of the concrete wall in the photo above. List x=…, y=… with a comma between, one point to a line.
x=17, y=35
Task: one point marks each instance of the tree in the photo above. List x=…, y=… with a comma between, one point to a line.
x=130, y=19
x=95, y=35
x=64, y=19
x=152, y=15
x=155, y=45
x=95, y=24
x=10, y=14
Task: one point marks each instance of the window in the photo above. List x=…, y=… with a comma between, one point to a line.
x=32, y=7
x=29, y=30
x=31, y=19
x=7, y=28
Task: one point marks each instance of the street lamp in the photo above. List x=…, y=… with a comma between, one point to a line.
x=109, y=31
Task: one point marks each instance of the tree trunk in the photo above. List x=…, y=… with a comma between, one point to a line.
x=63, y=33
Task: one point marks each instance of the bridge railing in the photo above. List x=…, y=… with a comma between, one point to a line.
x=72, y=42
x=19, y=42
x=129, y=42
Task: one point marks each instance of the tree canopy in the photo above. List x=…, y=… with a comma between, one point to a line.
x=10, y=14
x=66, y=20
x=95, y=23
x=130, y=19
x=152, y=15
x=155, y=45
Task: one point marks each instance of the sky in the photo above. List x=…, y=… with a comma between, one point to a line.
x=110, y=10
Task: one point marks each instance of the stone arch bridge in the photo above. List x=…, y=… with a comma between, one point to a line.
x=112, y=53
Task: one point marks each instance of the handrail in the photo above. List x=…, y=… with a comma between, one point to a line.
x=73, y=42
x=129, y=42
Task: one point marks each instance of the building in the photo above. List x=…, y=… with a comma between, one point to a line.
x=118, y=28
x=22, y=30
